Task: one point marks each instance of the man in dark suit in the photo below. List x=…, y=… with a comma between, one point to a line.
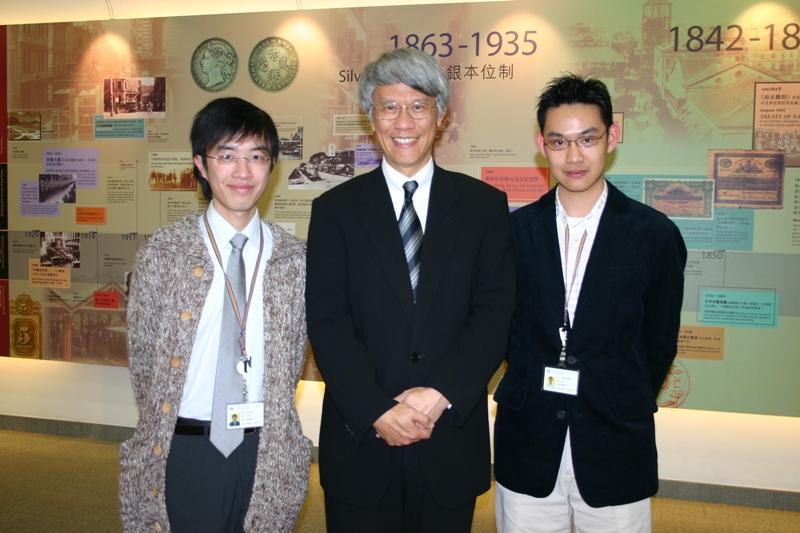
x=599, y=292
x=409, y=298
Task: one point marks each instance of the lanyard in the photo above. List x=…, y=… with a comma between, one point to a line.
x=563, y=331
x=240, y=318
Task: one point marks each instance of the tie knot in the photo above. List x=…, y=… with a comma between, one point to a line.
x=238, y=241
x=410, y=187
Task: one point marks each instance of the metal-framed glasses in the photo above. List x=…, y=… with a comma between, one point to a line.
x=417, y=110
x=584, y=141
x=257, y=159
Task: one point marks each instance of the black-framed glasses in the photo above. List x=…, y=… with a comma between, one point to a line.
x=257, y=159
x=417, y=110
x=584, y=141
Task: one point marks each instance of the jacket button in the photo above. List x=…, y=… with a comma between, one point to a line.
x=175, y=362
x=166, y=407
x=198, y=272
x=186, y=315
x=561, y=414
x=571, y=359
x=157, y=449
x=416, y=357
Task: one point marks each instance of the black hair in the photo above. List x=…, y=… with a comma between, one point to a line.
x=227, y=119
x=574, y=89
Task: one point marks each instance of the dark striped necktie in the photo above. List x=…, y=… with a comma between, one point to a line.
x=411, y=233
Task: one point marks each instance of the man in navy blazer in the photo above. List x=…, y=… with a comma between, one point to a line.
x=599, y=293
x=407, y=336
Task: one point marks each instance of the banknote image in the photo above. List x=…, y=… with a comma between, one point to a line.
x=26, y=327
x=273, y=64
x=214, y=64
x=747, y=178
x=681, y=198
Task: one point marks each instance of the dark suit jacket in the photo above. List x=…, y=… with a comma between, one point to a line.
x=623, y=341
x=371, y=342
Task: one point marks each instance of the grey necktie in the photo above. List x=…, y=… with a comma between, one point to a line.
x=411, y=233
x=228, y=383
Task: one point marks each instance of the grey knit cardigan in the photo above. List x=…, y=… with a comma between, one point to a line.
x=169, y=285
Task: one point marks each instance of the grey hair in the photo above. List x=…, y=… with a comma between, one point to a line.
x=409, y=66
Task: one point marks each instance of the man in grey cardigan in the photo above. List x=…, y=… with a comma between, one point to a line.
x=201, y=346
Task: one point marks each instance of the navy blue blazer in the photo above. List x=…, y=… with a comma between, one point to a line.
x=371, y=342
x=623, y=341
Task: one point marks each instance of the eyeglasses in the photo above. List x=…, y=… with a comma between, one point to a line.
x=584, y=141
x=229, y=158
x=416, y=110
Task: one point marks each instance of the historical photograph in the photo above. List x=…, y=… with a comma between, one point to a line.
x=291, y=144
x=135, y=97
x=60, y=249
x=323, y=171
x=171, y=171
x=24, y=126
x=57, y=188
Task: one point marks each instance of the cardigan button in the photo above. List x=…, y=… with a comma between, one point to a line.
x=157, y=449
x=186, y=315
x=166, y=407
x=198, y=272
x=175, y=362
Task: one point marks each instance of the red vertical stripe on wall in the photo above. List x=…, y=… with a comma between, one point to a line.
x=4, y=312
x=3, y=96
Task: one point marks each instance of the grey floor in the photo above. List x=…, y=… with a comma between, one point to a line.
x=61, y=484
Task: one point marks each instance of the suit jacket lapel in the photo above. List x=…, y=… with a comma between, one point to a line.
x=547, y=255
x=550, y=253
x=441, y=229
x=381, y=225
x=605, y=249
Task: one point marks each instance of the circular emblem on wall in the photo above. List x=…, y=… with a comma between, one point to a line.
x=273, y=64
x=214, y=64
x=676, y=387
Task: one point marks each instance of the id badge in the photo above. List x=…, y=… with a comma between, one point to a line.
x=560, y=380
x=245, y=415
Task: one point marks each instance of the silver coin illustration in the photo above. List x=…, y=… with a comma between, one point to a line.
x=214, y=64
x=273, y=64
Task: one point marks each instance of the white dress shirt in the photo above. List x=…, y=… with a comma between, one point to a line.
x=395, y=181
x=577, y=226
x=198, y=390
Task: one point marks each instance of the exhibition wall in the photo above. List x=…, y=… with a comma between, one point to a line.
x=95, y=157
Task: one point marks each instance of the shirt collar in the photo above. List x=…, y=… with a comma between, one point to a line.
x=396, y=178
x=594, y=213
x=224, y=232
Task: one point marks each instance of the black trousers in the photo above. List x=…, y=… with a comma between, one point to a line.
x=406, y=507
x=207, y=493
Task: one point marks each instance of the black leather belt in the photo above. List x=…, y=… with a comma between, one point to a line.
x=199, y=428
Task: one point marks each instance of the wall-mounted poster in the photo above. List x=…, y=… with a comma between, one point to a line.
x=98, y=151
x=776, y=119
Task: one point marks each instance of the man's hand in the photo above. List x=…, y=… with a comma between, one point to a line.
x=402, y=425
x=425, y=400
